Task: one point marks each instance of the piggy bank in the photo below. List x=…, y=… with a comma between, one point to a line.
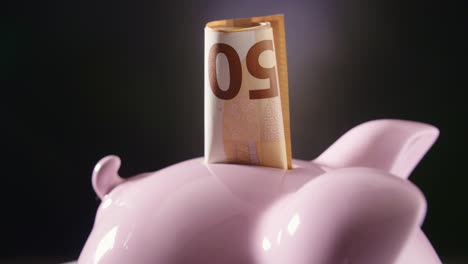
x=352, y=204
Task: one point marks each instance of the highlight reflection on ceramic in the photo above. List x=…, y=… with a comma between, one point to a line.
x=352, y=204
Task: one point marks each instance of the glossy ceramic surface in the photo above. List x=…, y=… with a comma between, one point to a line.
x=352, y=204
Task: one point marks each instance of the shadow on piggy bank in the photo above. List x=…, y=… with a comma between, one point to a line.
x=352, y=204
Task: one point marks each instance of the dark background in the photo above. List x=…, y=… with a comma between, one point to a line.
x=83, y=79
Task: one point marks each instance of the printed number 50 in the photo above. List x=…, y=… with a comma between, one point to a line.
x=235, y=70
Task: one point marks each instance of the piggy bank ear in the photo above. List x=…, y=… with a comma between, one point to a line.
x=395, y=146
x=105, y=175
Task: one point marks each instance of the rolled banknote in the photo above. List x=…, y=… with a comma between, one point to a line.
x=246, y=92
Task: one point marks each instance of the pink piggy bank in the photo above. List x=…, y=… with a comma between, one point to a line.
x=353, y=204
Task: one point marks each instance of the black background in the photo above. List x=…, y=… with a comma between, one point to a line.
x=83, y=79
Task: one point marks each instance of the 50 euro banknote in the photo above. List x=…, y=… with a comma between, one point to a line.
x=246, y=92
